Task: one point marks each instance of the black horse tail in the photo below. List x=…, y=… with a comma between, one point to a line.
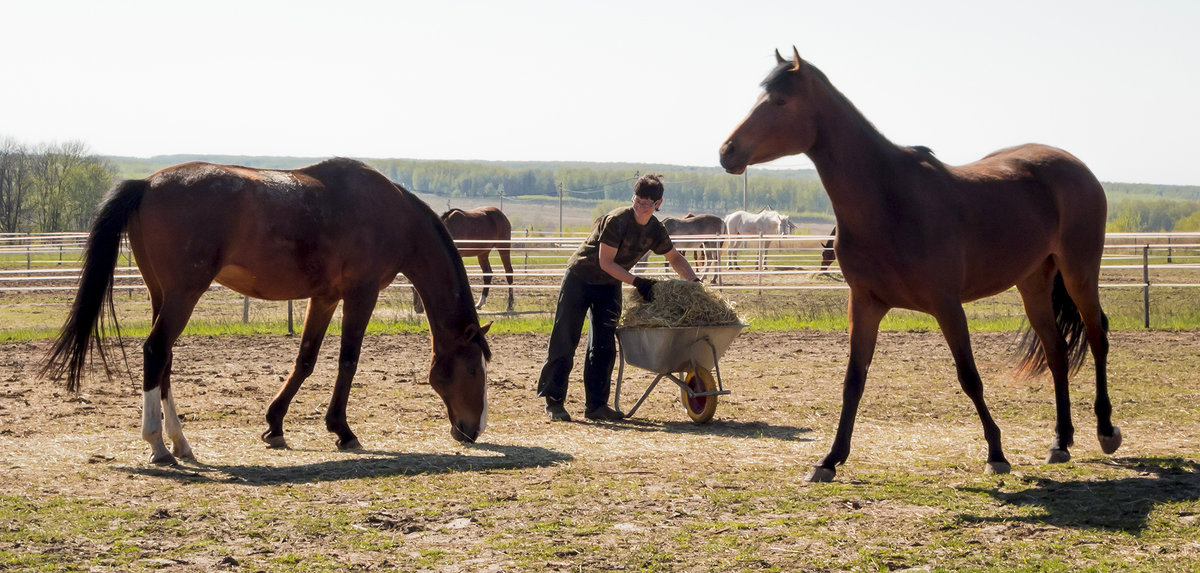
x=84, y=328
x=1032, y=356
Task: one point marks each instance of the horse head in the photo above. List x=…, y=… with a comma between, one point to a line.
x=459, y=375
x=781, y=122
x=786, y=226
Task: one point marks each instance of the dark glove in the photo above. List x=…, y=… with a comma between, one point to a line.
x=645, y=287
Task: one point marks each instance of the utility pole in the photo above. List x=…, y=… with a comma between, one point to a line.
x=745, y=183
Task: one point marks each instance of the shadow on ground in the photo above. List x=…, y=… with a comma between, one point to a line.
x=723, y=428
x=1114, y=505
x=360, y=464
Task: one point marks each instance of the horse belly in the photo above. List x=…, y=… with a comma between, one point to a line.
x=264, y=283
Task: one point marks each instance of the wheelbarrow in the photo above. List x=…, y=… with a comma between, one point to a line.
x=686, y=355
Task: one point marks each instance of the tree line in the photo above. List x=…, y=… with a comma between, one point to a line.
x=57, y=187
x=51, y=187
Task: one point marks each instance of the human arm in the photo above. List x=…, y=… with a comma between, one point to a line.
x=608, y=263
x=681, y=266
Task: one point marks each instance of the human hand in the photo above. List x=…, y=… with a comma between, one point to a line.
x=645, y=287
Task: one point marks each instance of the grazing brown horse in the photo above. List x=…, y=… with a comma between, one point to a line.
x=708, y=250
x=918, y=234
x=828, y=255
x=330, y=232
x=481, y=227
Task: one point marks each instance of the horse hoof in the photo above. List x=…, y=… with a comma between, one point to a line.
x=1058, y=456
x=997, y=468
x=275, y=442
x=183, y=453
x=351, y=444
x=1109, y=444
x=163, y=459
x=821, y=475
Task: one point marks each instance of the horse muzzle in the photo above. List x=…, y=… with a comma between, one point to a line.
x=465, y=433
x=732, y=159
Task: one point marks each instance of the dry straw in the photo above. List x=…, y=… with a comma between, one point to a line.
x=678, y=303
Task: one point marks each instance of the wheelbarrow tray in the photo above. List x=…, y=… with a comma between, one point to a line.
x=663, y=349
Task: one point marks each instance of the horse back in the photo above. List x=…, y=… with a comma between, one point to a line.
x=271, y=234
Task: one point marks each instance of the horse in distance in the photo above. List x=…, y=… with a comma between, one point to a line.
x=336, y=231
x=707, y=248
x=741, y=224
x=477, y=232
x=916, y=233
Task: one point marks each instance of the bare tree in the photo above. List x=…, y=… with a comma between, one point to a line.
x=69, y=182
x=16, y=185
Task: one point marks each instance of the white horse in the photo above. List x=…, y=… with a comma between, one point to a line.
x=765, y=222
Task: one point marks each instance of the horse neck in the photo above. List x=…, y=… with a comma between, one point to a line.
x=441, y=281
x=853, y=159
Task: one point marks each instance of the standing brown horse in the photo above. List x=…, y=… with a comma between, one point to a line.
x=477, y=232
x=330, y=232
x=918, y=234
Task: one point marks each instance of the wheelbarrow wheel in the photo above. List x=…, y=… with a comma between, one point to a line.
x=699, y=408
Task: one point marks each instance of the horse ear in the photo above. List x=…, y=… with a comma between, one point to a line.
x=795, y=59
x=778, y=58
x=483, y=329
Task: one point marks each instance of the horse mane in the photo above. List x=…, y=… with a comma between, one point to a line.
x=450, y=212
x=776, y=80
x=925, y=155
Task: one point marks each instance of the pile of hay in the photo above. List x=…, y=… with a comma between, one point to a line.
x=678, y=303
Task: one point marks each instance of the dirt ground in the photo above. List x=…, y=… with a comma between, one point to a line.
x=576, y=496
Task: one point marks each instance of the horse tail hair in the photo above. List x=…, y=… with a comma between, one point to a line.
x=1031, y=353
x=84, y=328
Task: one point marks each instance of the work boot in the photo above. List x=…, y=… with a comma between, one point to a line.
x=604, y=413
x=556, y=411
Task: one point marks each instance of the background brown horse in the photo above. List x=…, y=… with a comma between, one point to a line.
x=828, y=255
x=916, y=233
x=707, y=251
x=330, y=232
x=486, y=228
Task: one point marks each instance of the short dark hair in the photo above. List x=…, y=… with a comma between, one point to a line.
x=649, y=186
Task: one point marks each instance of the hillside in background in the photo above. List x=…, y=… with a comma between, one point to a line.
x=541, y=189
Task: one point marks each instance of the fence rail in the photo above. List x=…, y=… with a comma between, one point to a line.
x=764, y=263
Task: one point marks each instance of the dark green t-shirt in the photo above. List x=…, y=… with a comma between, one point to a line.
x=618, y=229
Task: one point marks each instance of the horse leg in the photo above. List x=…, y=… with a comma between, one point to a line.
x=485, y=265
x=173, y=314
x=316, y=322
x=1036, y=292
x=508, y=276
x=865, y=314
x=356, y=313
x=1084, y=289
x=418, y=307
x=953, y=322
x=715, y=255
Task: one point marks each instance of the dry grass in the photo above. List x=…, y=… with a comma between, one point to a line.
x=652, y=493
x=678, y=303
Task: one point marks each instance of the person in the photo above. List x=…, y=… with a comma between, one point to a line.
x=591, y=287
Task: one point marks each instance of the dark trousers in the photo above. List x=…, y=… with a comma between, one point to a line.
x=601, y=305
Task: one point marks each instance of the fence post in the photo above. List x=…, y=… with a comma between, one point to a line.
x=245, y=309
x=291, y=328
x=1146, y=286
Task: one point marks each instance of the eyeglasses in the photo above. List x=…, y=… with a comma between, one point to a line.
x=643, y=202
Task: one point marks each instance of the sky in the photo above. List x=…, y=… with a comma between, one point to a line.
x=1115, y=83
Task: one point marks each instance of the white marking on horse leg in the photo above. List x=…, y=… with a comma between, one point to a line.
x=483, y=417
x=179, y=444
x=152, y=427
